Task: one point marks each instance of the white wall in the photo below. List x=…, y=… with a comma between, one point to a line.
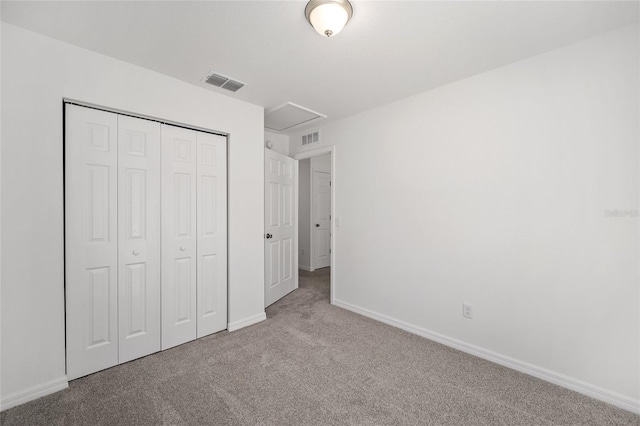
x=304, y=214
x=280, y=141
x=37, y=73
x=493, y=191
x=1, y=25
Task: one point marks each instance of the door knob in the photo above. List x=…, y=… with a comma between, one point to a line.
x=317, y=225
x=268, y=236
x=182, y=248
x=135, y=252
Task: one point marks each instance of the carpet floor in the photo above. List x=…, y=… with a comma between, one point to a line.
x=312, y=363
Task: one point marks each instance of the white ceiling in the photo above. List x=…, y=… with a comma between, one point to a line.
x=390, y=49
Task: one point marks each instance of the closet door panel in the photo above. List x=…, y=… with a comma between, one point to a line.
x=91, y=243
x=138, y=237
x=178, y=235
x=212, y=233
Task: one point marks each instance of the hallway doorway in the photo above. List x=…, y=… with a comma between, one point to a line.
x=316, y=210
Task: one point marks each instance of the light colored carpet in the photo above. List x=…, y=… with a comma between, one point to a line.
x=312, y=363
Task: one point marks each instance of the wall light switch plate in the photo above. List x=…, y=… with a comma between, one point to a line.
x=338, y=222
x=467, y=310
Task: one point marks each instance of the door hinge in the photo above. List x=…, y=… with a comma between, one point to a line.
x=329, y=183
x=329, y=251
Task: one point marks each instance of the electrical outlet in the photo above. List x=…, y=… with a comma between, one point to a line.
x=467, y=310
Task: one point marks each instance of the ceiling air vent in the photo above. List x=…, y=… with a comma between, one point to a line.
x=223, y=82
x=312, y=137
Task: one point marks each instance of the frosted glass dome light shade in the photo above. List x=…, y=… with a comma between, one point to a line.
x=328, y=17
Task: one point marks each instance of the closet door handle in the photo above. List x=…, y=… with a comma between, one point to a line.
x=182, y=248
x=135, y=252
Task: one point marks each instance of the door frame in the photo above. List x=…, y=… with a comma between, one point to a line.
x=315, y=153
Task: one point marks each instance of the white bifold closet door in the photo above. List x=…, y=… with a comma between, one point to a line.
x=211, y=217
x=194, y=222
x=145, y=237
x=138, y=237
x=112, y=218
x=91, y=240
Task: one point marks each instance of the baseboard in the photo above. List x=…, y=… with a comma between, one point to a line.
x=593, y=391
x=306, y=268
x=245, y=322
x=34, y=392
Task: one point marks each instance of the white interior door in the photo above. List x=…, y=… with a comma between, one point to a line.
x=138, y=237
x=91, y=241
x=212, y=233
x=321, y=221
x=178, y=235
x=280, y=227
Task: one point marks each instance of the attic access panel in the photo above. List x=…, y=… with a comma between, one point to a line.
x=289, y=115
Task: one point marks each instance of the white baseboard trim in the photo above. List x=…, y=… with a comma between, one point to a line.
x=306, y=268
x=593, y=391
x=34, y=392
x=245, y=322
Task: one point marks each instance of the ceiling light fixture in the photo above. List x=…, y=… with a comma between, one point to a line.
x=328, y=17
